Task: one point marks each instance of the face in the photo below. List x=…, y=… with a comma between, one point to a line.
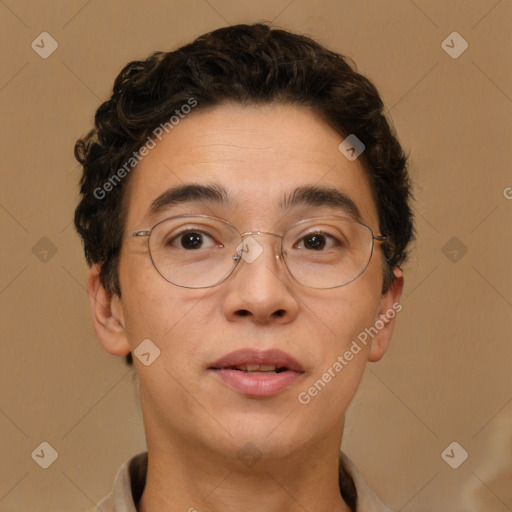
x=258, y=156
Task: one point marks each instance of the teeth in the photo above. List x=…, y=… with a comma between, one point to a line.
x=257, y=368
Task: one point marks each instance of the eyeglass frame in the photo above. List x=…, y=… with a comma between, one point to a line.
x=238, y=255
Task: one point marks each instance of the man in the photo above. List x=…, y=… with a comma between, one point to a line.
x=245, y=213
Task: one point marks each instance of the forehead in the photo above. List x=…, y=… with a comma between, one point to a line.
x=258, y=155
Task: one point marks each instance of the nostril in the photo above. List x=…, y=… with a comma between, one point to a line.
x=243, y=312
x=279, y=313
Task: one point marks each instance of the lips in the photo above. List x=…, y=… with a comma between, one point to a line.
x=258, y=373
x=248, y=359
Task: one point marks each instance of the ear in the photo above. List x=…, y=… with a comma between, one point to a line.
x=107, y=316
x=384, y=321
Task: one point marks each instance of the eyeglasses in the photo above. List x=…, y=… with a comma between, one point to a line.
x=201, y=251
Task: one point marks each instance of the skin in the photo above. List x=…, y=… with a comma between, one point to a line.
x=195, y=424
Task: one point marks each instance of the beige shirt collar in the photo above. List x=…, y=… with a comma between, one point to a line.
x=132, y=475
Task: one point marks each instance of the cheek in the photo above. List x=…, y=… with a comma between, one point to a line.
x=156, y=309
x=167, y=314
x=176, y=321
x=341, y=314
x=338, y=348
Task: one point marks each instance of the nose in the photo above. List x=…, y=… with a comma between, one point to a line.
x=260, y=288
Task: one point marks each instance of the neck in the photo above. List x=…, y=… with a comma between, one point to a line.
x=190, y=480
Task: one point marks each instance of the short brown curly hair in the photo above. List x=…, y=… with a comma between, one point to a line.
x=248, y=64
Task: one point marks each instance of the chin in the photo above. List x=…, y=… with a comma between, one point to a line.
x=274, y=436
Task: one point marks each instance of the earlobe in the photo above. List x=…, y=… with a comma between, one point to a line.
x=107, y=316
x=389, y=307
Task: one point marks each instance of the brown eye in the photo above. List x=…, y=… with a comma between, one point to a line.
x=191, y=240
x=315, y=241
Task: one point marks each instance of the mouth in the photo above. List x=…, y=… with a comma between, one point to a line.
x=257, y=374
x=255, y=369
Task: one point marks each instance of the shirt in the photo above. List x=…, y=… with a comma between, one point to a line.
x=131, y=478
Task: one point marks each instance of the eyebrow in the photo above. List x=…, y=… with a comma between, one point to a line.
x=186, y=194
x=216, y=194
x=321, y=196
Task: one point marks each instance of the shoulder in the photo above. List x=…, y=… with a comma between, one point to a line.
x=105, y=505
x=128, y=485
x=367, y=500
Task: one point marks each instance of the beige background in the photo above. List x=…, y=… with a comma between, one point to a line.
x=447, y=376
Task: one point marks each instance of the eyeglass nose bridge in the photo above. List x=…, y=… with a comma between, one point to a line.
x=250, y=251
